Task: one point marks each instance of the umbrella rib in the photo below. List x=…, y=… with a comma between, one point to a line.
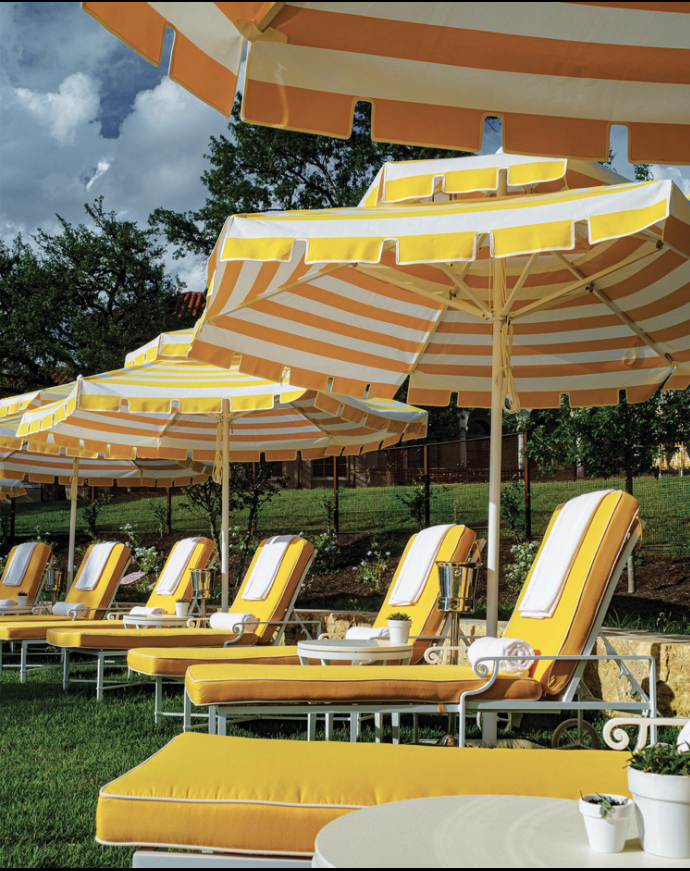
x=540, y=304
x=283, y=287
x=460, y=284
x=601, y=296
x=409, y=285
x=521, y=280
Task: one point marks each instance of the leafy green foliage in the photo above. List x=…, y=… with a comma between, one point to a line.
x=90, y=514
x=398, y=615
x=609, y=440
x=204, y=501
x=662, y=759
x=159, y=512
x=258, y=169
x=513, y=508
x=328, y=557
x=523, y=555
x=606, y=803
x=372, y=569
x=79, y=300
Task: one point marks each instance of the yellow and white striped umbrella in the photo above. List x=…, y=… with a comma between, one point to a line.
x=454, y=178
x=558, y=74
x=168, y=346
x=596, y=296
x=171, y=410
x=11, y=405
x=680, y=460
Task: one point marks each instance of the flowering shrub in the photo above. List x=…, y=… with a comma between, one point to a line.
x=372, y=569
x=147, y=558
x=328, y=557
x=517, y=571
x=239, y=543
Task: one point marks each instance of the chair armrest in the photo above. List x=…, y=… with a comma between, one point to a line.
x=241, y=628
x=618, y=739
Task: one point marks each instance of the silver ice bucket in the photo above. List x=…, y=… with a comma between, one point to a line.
x=457, y=586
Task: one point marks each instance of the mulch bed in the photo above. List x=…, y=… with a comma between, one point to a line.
x=663, y=582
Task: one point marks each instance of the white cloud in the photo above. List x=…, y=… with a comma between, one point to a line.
x=679, y=174
x=75, y=104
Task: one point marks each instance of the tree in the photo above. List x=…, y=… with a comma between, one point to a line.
x=79, y=300
x=256, y=169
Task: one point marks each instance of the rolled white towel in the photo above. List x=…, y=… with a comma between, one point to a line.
x=367, y=633
x=228, y=622
x=502, y=647
x=7, y=603
x=65, y=609
x=145, y=611
x=684, y=738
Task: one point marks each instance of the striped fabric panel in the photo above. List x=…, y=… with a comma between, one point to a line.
x=10, y=489
x=24, y=465
x=13, y=404
x=307, y=425
x=362, y=328
x=167, y=346
x=474, y=177
x=558, y=74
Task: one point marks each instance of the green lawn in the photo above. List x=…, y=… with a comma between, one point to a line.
x=665, y=507
x=59, y=748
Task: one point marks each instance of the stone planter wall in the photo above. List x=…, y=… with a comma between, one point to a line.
x=671, y=654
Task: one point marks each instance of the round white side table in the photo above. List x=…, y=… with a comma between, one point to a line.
x=473, y=831
x=357, y=652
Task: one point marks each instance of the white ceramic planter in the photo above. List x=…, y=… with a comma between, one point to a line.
x=606, y=834
x=662, y=808
x=399, y=631
x=181, y=609
x=22, y=601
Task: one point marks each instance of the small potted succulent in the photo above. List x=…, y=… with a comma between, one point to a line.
x=22, y=600
x=181, y=607
x=607, y=818
x=659, y=780
x=399, y=626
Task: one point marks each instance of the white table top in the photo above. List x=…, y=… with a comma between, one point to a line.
x=472, y=831
x=141, y=620
x=351, y=646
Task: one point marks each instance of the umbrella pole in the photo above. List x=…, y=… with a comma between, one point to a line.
x=225, y=508
x=74, y=483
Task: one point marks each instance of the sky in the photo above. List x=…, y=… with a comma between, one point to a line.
x=83, y=115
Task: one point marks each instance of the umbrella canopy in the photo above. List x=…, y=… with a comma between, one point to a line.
x=183, y=410
x=461, y=178
x=558, y=74
x=595, y=296
x=168, y=346
x=581, y=292
x=11, y=489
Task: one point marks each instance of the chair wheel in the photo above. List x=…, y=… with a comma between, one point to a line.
x=567, y=736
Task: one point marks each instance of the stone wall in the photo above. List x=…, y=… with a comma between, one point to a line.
x=671, y=654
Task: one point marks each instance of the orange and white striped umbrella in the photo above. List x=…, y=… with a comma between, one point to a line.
x=558, y=74
x=680, y=460
x=498, y=300
x=168, y=346
x=595, y=296
x=11, y=489
x=11, y=405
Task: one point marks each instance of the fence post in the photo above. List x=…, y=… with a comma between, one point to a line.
x=335, y=495
x=13, y=517
x=168, y=522
x=528, y=492
x=427, y=494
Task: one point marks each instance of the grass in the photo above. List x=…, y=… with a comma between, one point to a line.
x=64, y=746
x=665, y=505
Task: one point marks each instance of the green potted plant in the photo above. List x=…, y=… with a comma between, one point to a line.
x=659, y=780
x=22, y=600
x=181, y=607
x=399, y=626
x=607, y=818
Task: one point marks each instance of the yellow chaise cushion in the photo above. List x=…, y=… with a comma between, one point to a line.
x=175, y=662
x=254, y=795
x=18, y=629
x=228, y=684
x=33, y=575
x=125, y=639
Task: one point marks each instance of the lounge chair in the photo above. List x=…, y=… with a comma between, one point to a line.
x=275, y=575
x=260, y=803
x=23, y=574
x=86, y=602
x=457, y=543
x=562, y=641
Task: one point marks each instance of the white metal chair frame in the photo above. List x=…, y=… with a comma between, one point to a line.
x=467, y=705
x=103, y=655
x=112, y=607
